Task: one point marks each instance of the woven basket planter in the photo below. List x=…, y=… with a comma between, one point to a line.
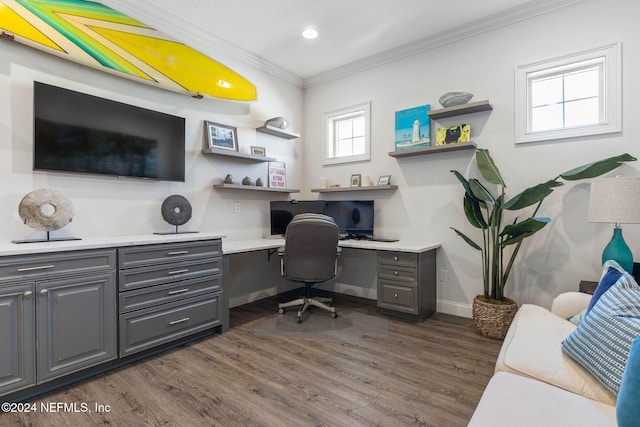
x=493, y=320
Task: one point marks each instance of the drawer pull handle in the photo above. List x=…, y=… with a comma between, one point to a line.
x=175, y=322
x=40, y=267
x=27, y=293
x=179, y=291
x=395, y=273
x=395, y=258
x=186, y=270
x=395, y=296
x=44, y=291
x=174, y=253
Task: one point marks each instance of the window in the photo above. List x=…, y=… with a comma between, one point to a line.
x=572, y=96
x=347, y=134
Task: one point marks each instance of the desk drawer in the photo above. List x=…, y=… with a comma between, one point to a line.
x=399, y=297
x=134, y=278
x=400, y=259
x=140, y=256
x=137, y=299
x=42, y=266
x=398, y=274
x=143, y=329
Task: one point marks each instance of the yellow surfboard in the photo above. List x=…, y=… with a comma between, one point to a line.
x=97, y=36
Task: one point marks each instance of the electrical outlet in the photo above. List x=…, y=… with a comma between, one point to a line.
x=236, y=207
x=444, y=275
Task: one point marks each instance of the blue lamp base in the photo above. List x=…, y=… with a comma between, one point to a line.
x=618, y=251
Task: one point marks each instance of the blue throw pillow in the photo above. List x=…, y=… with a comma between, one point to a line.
x=628, y=405
x=611, y=272
x=602, y=341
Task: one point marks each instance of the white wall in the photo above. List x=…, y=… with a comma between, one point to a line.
x=429, y=199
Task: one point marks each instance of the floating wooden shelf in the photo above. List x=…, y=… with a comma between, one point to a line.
x=435, y=149
x=254, y=188
x=237, y=155
x=341, y=189
x=472, y=107
x=280, y=133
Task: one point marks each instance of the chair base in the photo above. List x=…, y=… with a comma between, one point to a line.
x=306, y=302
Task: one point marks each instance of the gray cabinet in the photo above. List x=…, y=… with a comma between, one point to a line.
x=57, y=315
x=17, y=335
x=407, y=283
x=168, y=291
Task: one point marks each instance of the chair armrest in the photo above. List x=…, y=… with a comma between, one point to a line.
x=570, y=303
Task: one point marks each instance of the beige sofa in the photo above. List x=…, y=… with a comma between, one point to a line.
x=535, y=383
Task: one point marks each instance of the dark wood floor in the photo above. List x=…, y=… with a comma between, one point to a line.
x=424, y=374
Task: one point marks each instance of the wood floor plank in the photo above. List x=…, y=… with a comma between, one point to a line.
x=428, y=373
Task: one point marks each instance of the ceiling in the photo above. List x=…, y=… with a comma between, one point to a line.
x=352, y=33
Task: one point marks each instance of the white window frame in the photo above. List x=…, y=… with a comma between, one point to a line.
x=611, y=93
x=330, y=119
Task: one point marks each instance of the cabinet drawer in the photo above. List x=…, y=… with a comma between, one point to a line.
x=134, y=278
x=43, y=266
x=400, y=259
x=143, y=329
x=137, y=299
x=140, y=256
x=400, y=274
x=399, y=297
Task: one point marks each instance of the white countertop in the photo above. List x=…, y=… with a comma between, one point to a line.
x=239, y=246
x=9, y=248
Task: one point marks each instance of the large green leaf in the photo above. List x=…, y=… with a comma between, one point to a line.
x=463, y=181
x=531, y=195
x=466, y=239
x=480, y=192
x=473, y=212
x=515, y=233
x=488, y=168
x=598, y=168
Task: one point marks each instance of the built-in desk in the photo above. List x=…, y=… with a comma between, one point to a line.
x=405, y=272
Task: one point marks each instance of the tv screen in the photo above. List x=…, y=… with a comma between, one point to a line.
x=77, y=132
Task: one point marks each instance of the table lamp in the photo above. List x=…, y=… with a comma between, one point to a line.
x=616, y=200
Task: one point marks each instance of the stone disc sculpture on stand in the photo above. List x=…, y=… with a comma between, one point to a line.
x=46, y=209
x=176, y=210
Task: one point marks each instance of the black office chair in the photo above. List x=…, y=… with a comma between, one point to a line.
x=310, y=256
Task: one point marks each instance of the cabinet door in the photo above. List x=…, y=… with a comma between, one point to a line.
x=76, y=324
x=17, y=335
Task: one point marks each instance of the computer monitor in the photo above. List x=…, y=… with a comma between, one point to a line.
x=282, y=212
x=353, y=217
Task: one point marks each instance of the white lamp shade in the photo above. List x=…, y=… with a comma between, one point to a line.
x=615, y=200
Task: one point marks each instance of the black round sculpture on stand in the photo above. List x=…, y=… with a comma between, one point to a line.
x=46, y=209
x=176, y=210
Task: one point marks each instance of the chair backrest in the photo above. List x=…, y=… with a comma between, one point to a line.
x=311, y=246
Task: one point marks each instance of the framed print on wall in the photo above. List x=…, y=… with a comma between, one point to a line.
x=413, y=128
x=221, y=136
x=453, y=134
x=277, y=175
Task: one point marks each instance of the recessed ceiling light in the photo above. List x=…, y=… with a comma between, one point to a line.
x=310, y=34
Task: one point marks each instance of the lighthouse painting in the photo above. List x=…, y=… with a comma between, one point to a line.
x=413, y=128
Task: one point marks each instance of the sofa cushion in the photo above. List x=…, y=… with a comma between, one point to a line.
x=601, y=343
x=627, y=408
x=532, y=348
x=611, y=272
x=513, y=400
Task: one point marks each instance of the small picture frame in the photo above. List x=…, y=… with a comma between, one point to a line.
x=356, y=180
x=277, y=175
x=221, y=136
x=384, y=180
x=258, y=151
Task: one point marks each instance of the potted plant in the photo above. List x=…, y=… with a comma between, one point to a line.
x=492, y=311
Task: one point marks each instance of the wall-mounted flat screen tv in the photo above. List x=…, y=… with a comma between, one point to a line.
x=77, y=132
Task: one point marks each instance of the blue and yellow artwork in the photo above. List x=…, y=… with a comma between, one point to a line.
x=413, y=128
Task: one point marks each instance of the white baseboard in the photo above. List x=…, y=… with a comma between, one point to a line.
x=454, y=308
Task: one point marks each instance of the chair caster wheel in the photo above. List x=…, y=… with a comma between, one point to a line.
x=334, y=315
x=281, y=311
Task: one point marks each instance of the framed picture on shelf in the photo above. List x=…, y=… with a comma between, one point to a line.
x=356, y=180
x=453, y=134
x=384, y=180
x=221, y=136
x=258, y=151
x=413, y=128
x=277, y=174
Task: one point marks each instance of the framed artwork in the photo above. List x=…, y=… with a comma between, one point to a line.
x=384, y=180
x=258, y=151
x=221, y=136
x=413, y=128
x=356, y=180
x=453, y=134
x=277, y=174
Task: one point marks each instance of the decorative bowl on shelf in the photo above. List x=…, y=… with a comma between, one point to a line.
x=451, y=99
